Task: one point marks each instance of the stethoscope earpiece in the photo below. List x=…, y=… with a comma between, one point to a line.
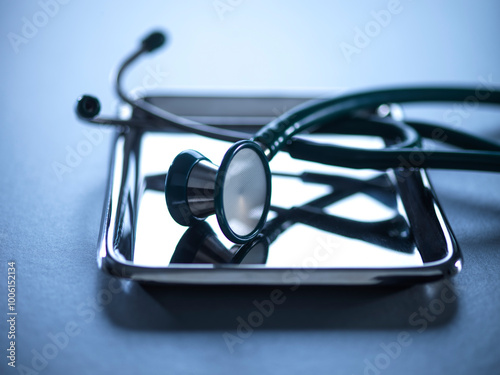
x=238, y=192
x=153, y=41
x=88, y=106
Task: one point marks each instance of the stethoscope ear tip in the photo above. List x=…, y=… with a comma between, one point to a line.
x=153, y=41
x=88, y=106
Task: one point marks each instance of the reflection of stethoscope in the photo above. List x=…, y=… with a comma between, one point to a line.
x=200, y=244
x=239, y=191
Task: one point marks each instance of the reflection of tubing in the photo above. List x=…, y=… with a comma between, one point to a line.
x=393, y=233
x=200, y=244
x=379, y=187
x=429, y=237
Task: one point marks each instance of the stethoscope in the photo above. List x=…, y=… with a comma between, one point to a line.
x=239, y=191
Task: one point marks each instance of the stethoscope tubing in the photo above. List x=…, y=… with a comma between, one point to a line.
x=281, y=133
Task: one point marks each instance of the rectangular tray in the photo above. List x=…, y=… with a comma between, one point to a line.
x=125, y=228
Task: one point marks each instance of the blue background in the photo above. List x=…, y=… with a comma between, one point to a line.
x=49, y=222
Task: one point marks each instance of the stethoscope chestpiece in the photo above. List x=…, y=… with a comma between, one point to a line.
x=239, y=192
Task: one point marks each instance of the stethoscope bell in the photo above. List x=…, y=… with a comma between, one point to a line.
x=238, y=192
x=189, y=187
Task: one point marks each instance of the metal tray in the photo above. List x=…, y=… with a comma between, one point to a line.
x=346, y=227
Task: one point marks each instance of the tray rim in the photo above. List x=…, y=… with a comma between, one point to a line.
x=111, y=262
